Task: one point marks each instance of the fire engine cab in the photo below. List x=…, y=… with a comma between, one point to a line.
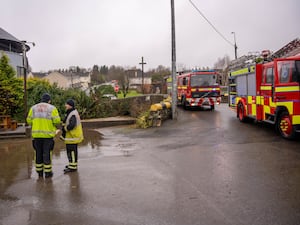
x=198, y=89
x=268, y=91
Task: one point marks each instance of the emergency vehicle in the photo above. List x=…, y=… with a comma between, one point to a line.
x=268, y=91
x=198, y=88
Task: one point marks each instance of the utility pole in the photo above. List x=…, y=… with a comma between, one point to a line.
x=174, y=84
x=235, y=46
x=142, y=63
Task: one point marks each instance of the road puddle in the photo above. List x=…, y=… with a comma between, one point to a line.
x=17, y=155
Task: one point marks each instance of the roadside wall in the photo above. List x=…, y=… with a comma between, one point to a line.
x=131, y=106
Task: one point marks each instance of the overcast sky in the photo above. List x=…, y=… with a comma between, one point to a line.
x=119, y=32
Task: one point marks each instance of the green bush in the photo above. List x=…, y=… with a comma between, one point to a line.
x=91, y=105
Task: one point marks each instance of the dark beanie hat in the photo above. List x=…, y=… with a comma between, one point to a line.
x=71, y=102
x=46, y=97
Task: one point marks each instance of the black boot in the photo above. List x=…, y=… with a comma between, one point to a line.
x=69, y=170
x=48, y=174
x=40, y=173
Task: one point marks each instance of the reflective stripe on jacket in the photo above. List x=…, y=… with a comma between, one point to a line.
x=75, y=135
x=43, y=118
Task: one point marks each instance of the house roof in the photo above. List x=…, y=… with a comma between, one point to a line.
x=39, y=74
x=10, y=43
x=75, y=74
x=7, y=36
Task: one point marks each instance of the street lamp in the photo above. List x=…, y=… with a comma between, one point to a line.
x=235, y=46
x=25, y=48
x=174, y=84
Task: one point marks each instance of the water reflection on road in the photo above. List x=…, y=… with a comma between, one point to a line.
x=16, y=157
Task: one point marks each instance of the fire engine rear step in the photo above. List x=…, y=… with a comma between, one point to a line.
x=270, y=118
x=269, y=121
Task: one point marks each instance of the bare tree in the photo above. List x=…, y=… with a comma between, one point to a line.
x=222, y=66
x=222, y=63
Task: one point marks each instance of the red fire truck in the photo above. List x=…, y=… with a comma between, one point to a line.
x=198, y=89
x=269, y=92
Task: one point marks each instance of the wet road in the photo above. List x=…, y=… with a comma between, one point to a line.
x=206, y=168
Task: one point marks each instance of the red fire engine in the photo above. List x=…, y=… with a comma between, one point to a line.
x=269, y=92
x=198, y=89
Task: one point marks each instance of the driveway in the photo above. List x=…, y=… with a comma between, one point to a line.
x=205, y=168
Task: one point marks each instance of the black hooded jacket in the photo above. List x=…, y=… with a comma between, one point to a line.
x=72, y=122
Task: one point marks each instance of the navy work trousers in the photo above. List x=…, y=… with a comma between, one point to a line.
x=43, y=154
x=72, y=154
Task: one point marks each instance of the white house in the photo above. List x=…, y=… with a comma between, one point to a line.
x=59, y=79
x=69, y=80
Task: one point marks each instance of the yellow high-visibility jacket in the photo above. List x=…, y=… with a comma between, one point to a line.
x=75, y=135
x=43, y=118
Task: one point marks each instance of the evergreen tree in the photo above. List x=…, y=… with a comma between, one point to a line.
x=104, y=70
x=11, y=89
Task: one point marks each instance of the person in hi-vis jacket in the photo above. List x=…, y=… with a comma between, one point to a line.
x=43, y=119
x=72, y=134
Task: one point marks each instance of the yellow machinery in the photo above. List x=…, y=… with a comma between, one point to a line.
x=159, y=112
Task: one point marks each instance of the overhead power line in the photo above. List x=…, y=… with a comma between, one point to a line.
x=210, y=23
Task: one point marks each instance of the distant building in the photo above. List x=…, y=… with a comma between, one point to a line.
x=67, y=80
x=137, y=80
x=59, y=79
x=13, y=48
x=78, y=79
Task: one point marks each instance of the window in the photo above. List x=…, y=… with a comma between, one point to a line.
x=284, y=75
x=183, y=81
x=284, y=72
x=289, y=71
x=296, y=72
x=187, y=81
x=198, y=80
x=269, y=76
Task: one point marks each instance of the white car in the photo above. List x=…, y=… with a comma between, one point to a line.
x=110, y=96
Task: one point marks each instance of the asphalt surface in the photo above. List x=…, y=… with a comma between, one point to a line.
x=205, y=168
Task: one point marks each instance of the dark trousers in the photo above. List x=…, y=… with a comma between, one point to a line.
x=72, y=154
x=43, y=154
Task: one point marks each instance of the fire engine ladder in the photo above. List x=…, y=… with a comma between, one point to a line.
x=242, y=62
x=290, y=49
